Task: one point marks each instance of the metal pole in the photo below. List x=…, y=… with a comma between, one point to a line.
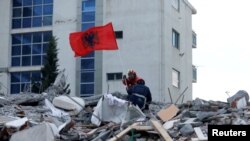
x=181, y=94
x=170, y=95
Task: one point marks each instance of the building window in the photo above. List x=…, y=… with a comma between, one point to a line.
x=119, y=34
x=194, y=74
x=87, y=75
x=175, y=78
x=88, y=14
x=31, y=13
x=29, y=49
x=21, y=81
x=87, y=90
x=194, y=39
x=87, y=82
x=176, y=4
x=114, y=76
x=175, y=39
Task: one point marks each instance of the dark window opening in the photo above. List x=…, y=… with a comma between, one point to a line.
x=175, y=39
x=114, y=76
x=119, y=34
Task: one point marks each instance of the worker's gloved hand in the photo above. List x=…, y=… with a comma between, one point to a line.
x=124, y=77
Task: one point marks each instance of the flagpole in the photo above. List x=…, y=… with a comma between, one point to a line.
x=122, y=63
x=121, y=60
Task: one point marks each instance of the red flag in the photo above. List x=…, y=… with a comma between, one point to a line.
x=95, y=38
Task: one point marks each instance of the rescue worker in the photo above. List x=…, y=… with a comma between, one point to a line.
x=131, y=80
x=140, y=95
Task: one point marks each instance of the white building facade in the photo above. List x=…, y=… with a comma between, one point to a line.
x=155, y=38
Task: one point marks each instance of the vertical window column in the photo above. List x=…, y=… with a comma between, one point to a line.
x=87, y=62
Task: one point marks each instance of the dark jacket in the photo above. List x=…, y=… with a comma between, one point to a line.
x=141, y=90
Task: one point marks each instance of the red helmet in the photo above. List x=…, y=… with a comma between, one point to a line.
x=131, y=71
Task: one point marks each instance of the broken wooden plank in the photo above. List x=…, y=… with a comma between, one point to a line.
x=143, y=128
x=118, y=136
x=199, y=134
x=161, y=130
x=168, y=113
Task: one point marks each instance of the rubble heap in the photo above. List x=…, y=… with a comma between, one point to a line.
x=33, y=117
x=54, y=116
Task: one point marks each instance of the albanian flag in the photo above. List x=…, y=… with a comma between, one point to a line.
x=95, y=38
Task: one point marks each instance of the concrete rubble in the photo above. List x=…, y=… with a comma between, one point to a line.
x=107, y=117
x=54, y=116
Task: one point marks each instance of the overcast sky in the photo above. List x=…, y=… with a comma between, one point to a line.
x=223, y=45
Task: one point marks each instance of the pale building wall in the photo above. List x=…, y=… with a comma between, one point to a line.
x=147, y=45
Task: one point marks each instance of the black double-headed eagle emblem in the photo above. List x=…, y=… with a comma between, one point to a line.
x=90, y=39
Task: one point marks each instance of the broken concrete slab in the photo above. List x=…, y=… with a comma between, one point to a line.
x=221, y=111
x=42, y=132
x=170, y=124
x=193, y=121
x=92, y=100
x=174, y=133
x=203, y=115
x=55, y=111
x=239, y=121
x=4, y=101
x=26, y=99
x=240, y=94
x=12, y=127
x=201, y=136
x=198, y=102
x=5, y=119
x=189, y=114
x=186, y=130
x=168, y=113
x=241, y=103
x=73, y=105
x=16, y=123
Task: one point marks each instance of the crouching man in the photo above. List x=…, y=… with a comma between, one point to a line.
x=140, y=95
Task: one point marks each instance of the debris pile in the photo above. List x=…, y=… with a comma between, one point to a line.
x=50, y=116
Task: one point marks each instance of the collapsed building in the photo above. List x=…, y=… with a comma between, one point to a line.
x=53, y=116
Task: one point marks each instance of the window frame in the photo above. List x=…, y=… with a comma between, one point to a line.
x=23, y=81
x=17, y=59
x=117, y=76
x=194, y=39
x=175, y=78
x=194, y=74
x=119, y=34
x=32, y=15
x=175, y=39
